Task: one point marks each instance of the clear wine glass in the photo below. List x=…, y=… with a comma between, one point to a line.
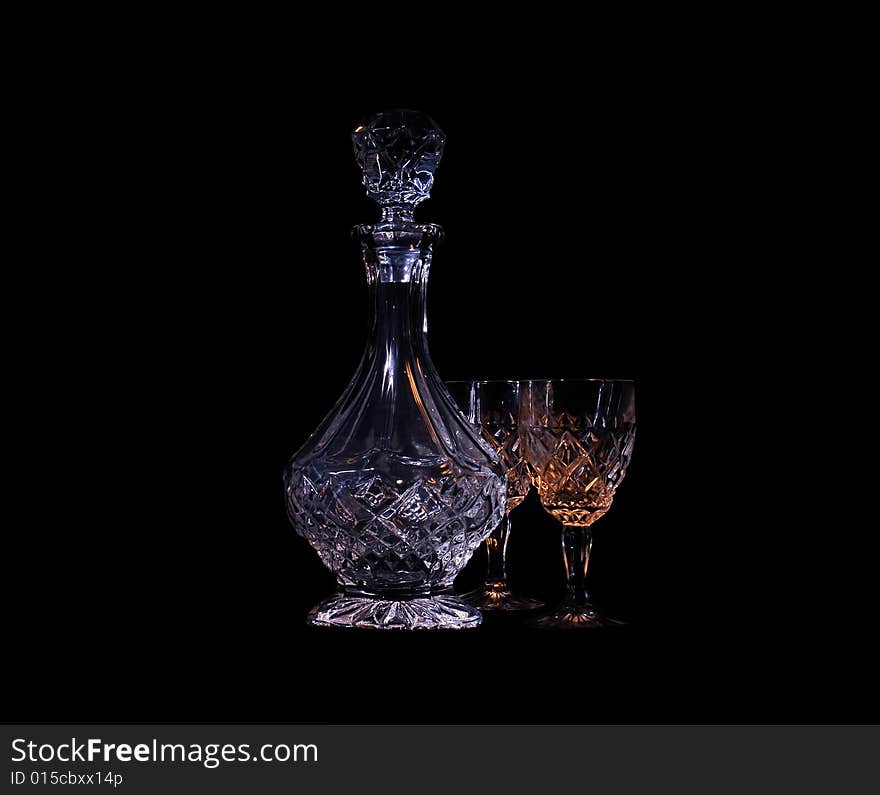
x=577, y=439
x=494, y=407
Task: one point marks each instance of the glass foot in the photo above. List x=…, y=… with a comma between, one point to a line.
x=498, y=596
x=429, y=612
x=574, y=616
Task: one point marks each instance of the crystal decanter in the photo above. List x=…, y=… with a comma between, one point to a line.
x=395, y=489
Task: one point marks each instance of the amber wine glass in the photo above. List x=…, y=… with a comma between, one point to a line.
x=577, y=438
x=494, y=408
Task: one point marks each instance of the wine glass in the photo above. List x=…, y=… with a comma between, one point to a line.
x=494, y=407
x=577, y=440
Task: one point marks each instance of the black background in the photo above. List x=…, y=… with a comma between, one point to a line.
x=191, y=307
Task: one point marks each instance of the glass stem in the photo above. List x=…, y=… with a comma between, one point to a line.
x=576, y=543
x=496, y=547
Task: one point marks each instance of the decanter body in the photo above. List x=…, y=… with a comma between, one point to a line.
x=395, y=489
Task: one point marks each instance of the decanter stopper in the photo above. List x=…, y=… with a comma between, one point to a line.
x=398, y=151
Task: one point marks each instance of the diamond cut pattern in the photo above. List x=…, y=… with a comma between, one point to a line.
x=577, y=465
x=398, y=152
x=373, y=536
x=500, y=428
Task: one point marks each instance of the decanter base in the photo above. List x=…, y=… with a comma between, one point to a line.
x=498, y=596
x=366, y=612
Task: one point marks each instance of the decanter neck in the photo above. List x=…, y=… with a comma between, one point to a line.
x=395, y=329
x=397, y=258
x=394, y=264
x=397, y=251
x=398, y=301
